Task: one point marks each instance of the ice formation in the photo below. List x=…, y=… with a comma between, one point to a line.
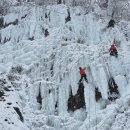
x=43, y=71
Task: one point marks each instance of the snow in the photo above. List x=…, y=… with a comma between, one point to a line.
x=50, y=68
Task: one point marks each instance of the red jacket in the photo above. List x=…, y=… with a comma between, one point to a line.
x=113, y=47
x=83, y=71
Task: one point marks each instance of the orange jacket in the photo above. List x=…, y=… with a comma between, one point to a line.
x=83, y=71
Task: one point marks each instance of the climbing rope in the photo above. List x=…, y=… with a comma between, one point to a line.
x=107, y=68
x=94, y=102
x=89, y=108
x=110, y=76
x=88, y=90
x=83, y=56
x=96, y=115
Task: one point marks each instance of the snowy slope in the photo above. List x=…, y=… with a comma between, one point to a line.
x=50, y=69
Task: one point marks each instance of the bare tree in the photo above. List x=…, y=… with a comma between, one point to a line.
x=117, y=9
x=4, y=7
x=59, y=1
x=102, y=3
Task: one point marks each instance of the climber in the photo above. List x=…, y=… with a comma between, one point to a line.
x=46, y=32
x=83, y=74
x=113, y=50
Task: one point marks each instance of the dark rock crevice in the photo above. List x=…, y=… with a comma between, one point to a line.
x=31, y=38
x=19, y=113
x=4, y=25
x=1, y=22
x=1, y=93
x=113, y=90
x=6, y=40
x=111, y=23
x=77, y=101
x=68, y=18
x=39, y=98
x=24, y=16
x=13, y=23
x=98, y=94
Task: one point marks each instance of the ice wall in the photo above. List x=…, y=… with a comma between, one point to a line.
x=51, y=63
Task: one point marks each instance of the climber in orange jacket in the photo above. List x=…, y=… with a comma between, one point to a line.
x=83, y=74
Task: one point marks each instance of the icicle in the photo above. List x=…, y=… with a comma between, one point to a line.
x=103, y=82
x=74, y=79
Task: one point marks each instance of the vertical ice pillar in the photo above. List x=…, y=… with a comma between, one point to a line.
x=34, y=91
x=103, y=81
x=48, y=98
x=74, y=79
x=89, y=94
x=45, y=98
x=62, y=98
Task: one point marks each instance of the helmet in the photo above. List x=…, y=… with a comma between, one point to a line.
x=80, y=68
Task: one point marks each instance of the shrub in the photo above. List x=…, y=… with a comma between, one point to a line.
x=11, y=77
x=4, y=7
x=16, y=69
x=80, y=40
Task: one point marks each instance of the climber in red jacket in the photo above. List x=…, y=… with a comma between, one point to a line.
x=113, y=47
x=113, y=50
x=83, y=74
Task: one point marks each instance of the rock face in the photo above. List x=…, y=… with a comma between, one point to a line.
x=113, y=90
x=77, y=101
x=19, y=113
x=1, y=22
x=98, y=94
